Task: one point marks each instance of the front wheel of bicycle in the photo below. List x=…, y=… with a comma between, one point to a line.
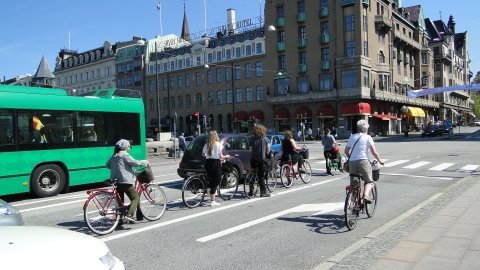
x=306, y=175
x=272, y=180
x=153, y=202
x=101, y=213
x=193, y=191
x=286, y=176
x=372, y=207
x=250, y=186
x=351, y=210
x=228, y=185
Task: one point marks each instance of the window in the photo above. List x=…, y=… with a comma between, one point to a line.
x=219, y=97
x=259, y=69
x=281, y=62
x=198, y=99
x=188, y=101
x=187, y=80
x=366, y=78
x=151, y=104
x=228, y=74
x=259, y=48
x=209, y=76
x=229, y=96
x=301, y=6
x=302, y=32
x=365, y=23
x=228, y=54
x=248, y=71
x=326, y=82
x=151, y=86
x=259, y=94
x=302, y=85
x=249, y=93
x=180, y=102
x=424, y=58
x=349, y=48
x=239, y=95
x=179, y=81
x=381, y=57
x=302, y=58
x=349, y=23
x=280, y=12
x=280, y=36
x=218, y=75
x=210, y=98
x=282, y=86
x=198, y=78
x=325, y=54
x=238, y=52
x=365, y=48
x=349, y=78
x=324, y=28
x=219, y=56
x=6, y=129
x=198, y=61
x=238, y=73
x=165, y=102
x=172, y=103
x=248, y=50
x=323, y=3
x=210, y=58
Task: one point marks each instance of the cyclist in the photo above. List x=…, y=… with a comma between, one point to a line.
x=260, y=147
x=329, y=142
x=289, y=147
x=359, y=164
x=121, y=167
x=213, y=153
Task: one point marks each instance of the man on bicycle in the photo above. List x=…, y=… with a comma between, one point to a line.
x=329, y=142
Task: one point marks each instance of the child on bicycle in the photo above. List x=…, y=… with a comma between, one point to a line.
x=121, y=167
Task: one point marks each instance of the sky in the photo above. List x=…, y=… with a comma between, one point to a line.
x=32, y=28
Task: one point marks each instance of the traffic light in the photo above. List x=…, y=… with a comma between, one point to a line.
x=195, y=116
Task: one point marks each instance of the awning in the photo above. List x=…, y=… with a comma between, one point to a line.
x=256, y=114
x=326, y=111
x=304, y=111
x=385, y=116
x=281, y=113
x=415, y=112
x=358, y=108
x=454, y=111
x=240, y=116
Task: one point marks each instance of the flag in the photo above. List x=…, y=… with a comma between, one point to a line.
x=37, y=124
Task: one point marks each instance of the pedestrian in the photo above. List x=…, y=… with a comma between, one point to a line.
x=299, y=135
x=319, y=135
x=213, y=153
x=334, y=131
x=329, y=142
x=260, y=146
x=361, y=144
x=182, y=144
x=310, y=134
x=121, y=165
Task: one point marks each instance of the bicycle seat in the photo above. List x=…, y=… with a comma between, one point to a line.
x=355, y=175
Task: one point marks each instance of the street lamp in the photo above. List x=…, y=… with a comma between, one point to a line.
x=158, y=93
x=175, y=135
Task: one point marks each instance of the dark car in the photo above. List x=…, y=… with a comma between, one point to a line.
x=431, y=130
x=235, y=145
x=445, y=129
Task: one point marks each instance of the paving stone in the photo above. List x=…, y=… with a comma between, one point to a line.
x=462, y=230
x=475, y=245
x=426, y=234
x=451, y=211
x=450, y=247
x=408, y=251
x=470, y=260
x=435, y=263
x=440, y=221
x=383, y=264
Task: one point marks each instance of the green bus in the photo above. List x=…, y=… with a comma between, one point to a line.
x=50, y=141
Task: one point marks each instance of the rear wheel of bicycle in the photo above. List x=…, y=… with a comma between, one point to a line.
x=101, y=213
x=228, y=185
x=286, y=176
x=371, y=208
x=193, y=191
x=250, y=186
x=306, y=176
x=153, y=202
x=351, y=210
x=272, y=180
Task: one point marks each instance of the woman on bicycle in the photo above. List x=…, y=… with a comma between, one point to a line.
x=260, y=147
x=121, y=167
x=329, y=142
x=213, y=153
x=290, y=148
x=362, y=143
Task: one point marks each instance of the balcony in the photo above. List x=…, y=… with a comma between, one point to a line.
x=406, y=41
x=301, y=17
x=400, y=57
x=324, y=38
x=280, y=46
x=325, y=65
x=280, y=22
x=302, y=68
x=347, y=2
x=323, y=12
x=383, y=23
x=302, y=43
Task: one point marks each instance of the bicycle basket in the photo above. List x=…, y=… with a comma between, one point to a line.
x=145, y=174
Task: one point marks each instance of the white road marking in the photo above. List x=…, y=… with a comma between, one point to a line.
x=416, y=165
x=51, y=199
x=441, y=167
x=395, y=163
x=419, y=176
x=49, y=206
x=469, y=167
x=322, y=207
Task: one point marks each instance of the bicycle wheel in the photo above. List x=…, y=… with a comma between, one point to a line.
x=193, y=191
x=306, y=176
x=228, y=185
x=372, y=206
x=272, y=180
x=351, y=210
x=286, y=176
x=250, y=186
x=101, y=213
x=153, y=202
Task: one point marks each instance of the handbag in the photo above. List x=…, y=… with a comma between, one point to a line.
x=346, y=166
x=145, y=175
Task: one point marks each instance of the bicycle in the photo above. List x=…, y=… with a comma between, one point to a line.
x=288, y=174
x=251, y=186
x=104, y=207
x=354, y=201
x=273, y=175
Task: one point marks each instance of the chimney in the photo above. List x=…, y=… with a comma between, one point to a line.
x=231, y=27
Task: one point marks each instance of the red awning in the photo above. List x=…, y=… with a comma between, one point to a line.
x=357, y=108
x=385, y=116
x=257, y=114
x=326, y=111
x=281, y=113
x=240, y=116
x=305, y=111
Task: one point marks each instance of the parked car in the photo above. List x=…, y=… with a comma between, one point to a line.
x=23, y=248
x=235, y=145
x=9, y=215
x=445, y=129
x=431, y=130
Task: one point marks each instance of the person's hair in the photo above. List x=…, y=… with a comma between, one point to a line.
x=116, y=150
x=288, y=134
x=362, y=126
x=212, y=139
x=327, y=130
x=259, y=131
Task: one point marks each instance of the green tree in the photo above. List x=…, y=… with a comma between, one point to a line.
x=476, y=106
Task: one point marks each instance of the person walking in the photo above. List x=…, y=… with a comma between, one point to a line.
x=121, y=167
x=182, y=144
x=328, y=142
x=260, y=147
x=213, y=153
x=361, y=144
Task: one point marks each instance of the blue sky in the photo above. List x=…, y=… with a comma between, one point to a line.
x=32, y=28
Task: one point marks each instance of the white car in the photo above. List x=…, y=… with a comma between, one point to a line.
x=31, y=247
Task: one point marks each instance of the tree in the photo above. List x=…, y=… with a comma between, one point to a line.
x=476, y=105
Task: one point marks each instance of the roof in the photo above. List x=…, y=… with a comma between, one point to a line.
x=43, y=70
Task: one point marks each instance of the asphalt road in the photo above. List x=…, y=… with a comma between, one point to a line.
x=297, y=228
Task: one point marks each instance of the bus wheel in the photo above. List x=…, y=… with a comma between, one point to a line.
x=48, y=180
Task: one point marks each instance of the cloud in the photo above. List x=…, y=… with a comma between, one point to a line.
x=10, y=47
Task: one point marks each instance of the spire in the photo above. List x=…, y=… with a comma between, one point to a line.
x=185, y=30
x=43, y=70
x=451, y=24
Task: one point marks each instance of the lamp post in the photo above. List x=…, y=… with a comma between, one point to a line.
x=175, y=135
x=168, y=102
x=158, y=93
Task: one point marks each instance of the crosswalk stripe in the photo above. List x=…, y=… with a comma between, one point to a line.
x=441, y=167
x=395, y=163
x=469, y=167
x=416, y=165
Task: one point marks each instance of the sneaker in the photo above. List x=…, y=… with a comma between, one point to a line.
x=214, y=203
x=130, y=219
x=367, y=200
x=265, y=194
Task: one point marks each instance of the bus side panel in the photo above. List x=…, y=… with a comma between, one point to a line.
x=14, y=185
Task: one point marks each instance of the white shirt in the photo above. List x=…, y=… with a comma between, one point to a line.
x=361, y=148
x=217, y=149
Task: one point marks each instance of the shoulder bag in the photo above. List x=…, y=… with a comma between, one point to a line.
x=346, y=166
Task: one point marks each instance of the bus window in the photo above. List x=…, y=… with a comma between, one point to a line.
x=91, y=126
x=43, y=126
x=6, y=128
